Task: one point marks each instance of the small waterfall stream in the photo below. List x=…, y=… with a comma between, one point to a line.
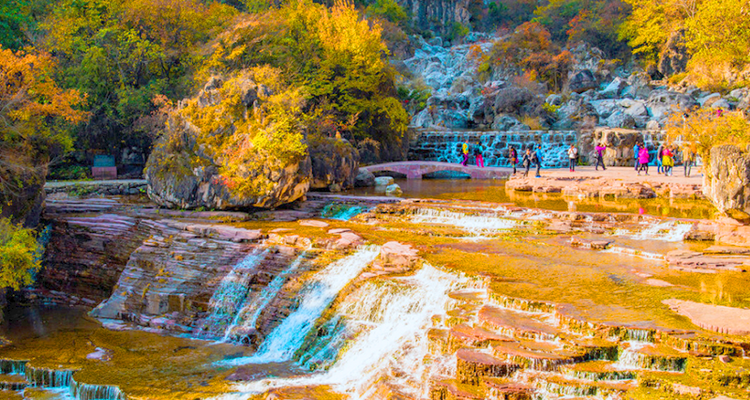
x=248, y=315
x=475, y=224
x=390, y=319
x=315, y=297
x=229, y=298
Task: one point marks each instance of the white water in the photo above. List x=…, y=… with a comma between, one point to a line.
x=393, y=317
x=233, y=288
x=475, y=224
x=260, y=302
x=316, y=296
x=668, y=231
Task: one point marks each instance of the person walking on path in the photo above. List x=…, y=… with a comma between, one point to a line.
x=643, y=160
x=513, y=158
x=659, y=159
x=465, y=151
x=572, y=157
x=636, y=153
x=538, y=160
x=667, y=161
x=478, y=155
x=527, y=162
x=688, y=159
x=600, y=148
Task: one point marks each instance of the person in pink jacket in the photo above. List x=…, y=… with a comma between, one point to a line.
x=643, y=160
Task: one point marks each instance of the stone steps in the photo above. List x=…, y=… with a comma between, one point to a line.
x=562, y=386
x=535, y=357
x=596, y=371
x=516, y=324
x=13, y=382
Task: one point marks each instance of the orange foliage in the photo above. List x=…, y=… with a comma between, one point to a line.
x=31, y=102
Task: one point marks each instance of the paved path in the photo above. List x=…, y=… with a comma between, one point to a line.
x=60, y=184
x=624, y=174
x=415, y=169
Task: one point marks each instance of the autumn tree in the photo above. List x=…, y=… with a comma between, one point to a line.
x=335, y=55
x=124, y=53
x=718, y=37
x=530, y=49
x=35, y=120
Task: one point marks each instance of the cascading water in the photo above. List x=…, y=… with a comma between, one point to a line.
x=248, y=315
x=315, y=297
x=668, y=231
x=230, y=296
x=476, y=224
x=391, y=318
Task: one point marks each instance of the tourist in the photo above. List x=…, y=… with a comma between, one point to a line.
x=513, y=158
x=600, y=148
x=659, y=157
x=465, y=150
x=688, y=159
x=527, y=162
x=636, y=153
x=667, y=161
x=572, y=157
x=478, y=155
x=537, y=158
x=643, y=160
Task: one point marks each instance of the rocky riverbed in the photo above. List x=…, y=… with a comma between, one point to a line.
x=354, y=297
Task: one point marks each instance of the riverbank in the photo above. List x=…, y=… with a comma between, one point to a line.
x=614, y=182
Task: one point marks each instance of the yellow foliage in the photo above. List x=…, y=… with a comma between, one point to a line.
x=248, y=142
x=19, y=255
x=704, y=130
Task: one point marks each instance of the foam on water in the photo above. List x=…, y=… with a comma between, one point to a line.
x=315, y=297
x=396, y=314
x=668, y=231
x=476, y=224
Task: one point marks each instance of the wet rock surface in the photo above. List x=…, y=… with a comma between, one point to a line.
x=192, y=274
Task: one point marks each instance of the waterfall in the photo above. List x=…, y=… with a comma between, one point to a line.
x=45, y=377
x=315, y=297
x=13, y=367
x=668, y=231
x=259, y=303
x=85, y=391
x=391, y=318
x=475, y=224
x=231, y=293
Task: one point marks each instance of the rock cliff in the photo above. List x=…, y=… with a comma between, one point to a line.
x=728, y=183
x=186, y=168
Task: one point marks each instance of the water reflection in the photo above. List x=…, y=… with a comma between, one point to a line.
x=494, y=191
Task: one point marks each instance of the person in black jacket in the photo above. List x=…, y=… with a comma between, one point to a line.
x=527, y=162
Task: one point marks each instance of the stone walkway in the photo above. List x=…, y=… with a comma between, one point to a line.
x=625, y=174
x=61, y=184
x=618, y=182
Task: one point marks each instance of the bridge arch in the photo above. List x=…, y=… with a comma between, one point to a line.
x=416, y=169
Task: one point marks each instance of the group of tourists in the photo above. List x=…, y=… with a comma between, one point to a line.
x=665, y=158
x=532, y=156
x=477, y=151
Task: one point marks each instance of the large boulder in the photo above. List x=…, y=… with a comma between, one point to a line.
x=335, y=163
x=186, y=171
x=727, y=184
x=582, y=81
x=661, y=103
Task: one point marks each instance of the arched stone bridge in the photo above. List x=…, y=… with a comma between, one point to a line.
x=415, y=169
